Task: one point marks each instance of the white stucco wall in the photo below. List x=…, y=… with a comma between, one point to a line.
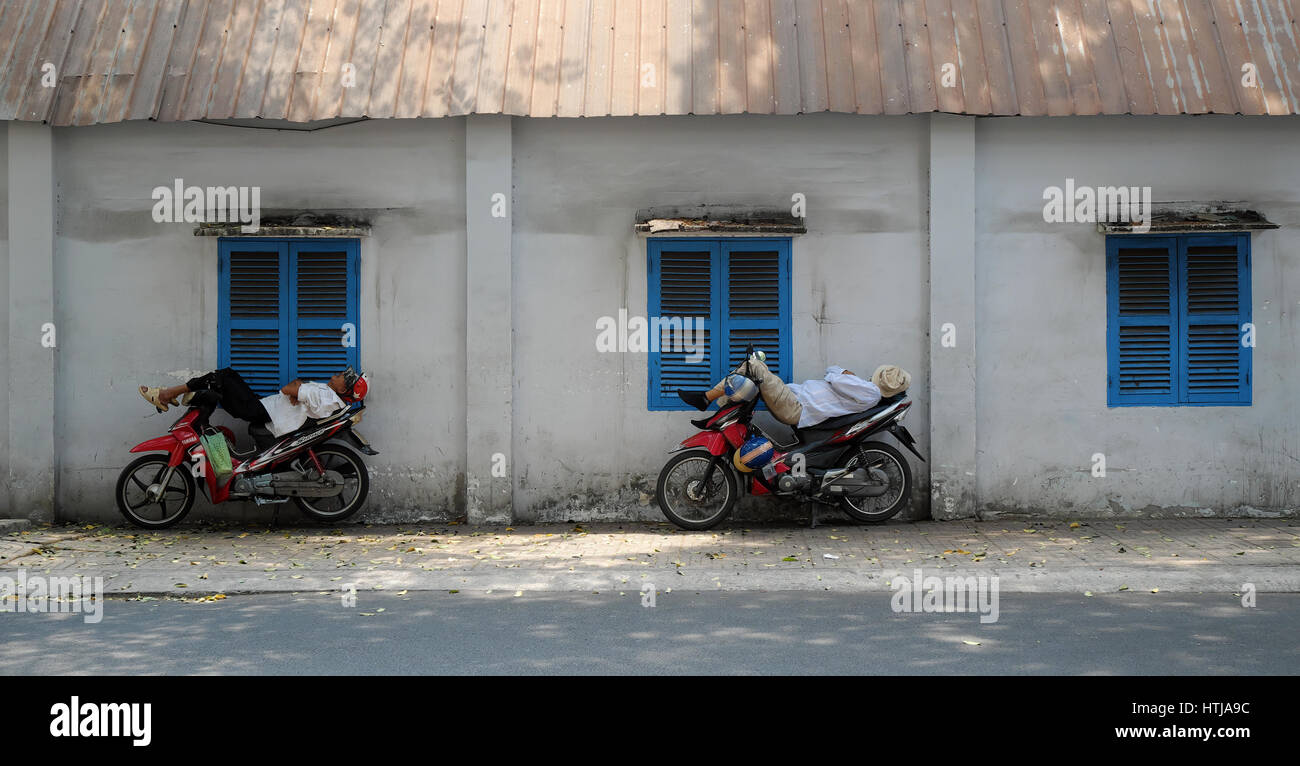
x=1041, y=342
x=4, y=316
x=585, y=445
x=136, y=300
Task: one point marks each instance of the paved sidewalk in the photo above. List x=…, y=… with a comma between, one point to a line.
x=1177, y=555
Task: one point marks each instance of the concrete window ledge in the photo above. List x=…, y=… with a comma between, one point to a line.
x=234, y=230
x=1194, y=218
x=280, y=223
x=717, y=219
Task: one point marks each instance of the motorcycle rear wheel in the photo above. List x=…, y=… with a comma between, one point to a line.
x=173, y=501
x=336, y=457
x=886, y=506
x=680, y=478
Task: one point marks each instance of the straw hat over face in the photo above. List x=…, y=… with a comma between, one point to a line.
x=891, y=379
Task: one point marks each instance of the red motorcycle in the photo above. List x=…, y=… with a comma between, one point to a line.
x=828, y=463
x=326, y=480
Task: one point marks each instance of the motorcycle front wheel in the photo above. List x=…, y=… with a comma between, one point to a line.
x=146, y=500
x=892, y=463
x=686, y=501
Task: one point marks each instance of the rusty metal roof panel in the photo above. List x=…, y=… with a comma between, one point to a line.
x=310, y=60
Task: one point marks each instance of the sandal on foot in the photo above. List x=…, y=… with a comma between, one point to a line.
x=151, y=395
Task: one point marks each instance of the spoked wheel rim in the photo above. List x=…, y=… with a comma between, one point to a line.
x=146, y=497
x=892, y=468
x=686, y=495
x=341, y=503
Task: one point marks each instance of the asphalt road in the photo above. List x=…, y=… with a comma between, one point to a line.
x=684, y=633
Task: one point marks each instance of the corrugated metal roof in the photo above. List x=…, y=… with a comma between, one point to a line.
x=306, y=60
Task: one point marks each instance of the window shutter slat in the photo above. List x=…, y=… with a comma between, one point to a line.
x=319, y=353
x=1145, y=360
x=753, y=284
x=255, y=355
x=323, y=285
x=255, y=285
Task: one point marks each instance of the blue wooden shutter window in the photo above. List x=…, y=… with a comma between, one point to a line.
x=741, y=287
x=1176, y=307
x=682, y=284
x=1215, y=277
x=284, y=305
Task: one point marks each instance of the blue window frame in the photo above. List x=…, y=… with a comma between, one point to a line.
x=288, y=309
x=1176, y=311
x=739, y=288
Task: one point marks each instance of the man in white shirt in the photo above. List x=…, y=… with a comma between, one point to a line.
x=297, y=401
x=281, y=413
x=805, y=404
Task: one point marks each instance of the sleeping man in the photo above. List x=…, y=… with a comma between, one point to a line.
x=805, y=404
x=282, y=413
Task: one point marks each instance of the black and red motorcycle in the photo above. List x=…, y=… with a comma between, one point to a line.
x=834, y=462
x=326, y=480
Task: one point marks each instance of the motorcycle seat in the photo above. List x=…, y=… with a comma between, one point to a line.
x=782, y=435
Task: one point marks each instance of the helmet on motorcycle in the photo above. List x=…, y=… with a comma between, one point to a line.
x=739, y=388
x=356, y=385
x=756, y=452
x=360, y=388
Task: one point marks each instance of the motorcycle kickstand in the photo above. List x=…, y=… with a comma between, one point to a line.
x=812, y=508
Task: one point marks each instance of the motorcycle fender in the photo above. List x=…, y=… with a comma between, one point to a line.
x=904, y=438
x=360, y=443
x=168, y=444
x=713, y=441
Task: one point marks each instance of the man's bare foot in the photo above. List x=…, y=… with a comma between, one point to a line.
x=170, y=393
